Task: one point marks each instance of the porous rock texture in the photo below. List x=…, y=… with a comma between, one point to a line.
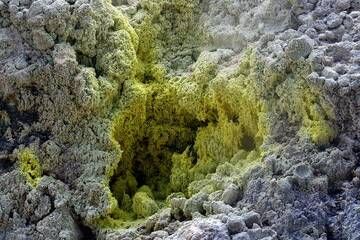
x=179, y=119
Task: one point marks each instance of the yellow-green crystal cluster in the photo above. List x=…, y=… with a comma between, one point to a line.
x=30, y=166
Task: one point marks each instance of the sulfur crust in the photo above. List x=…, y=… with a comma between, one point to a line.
x=30, y=166
x=177, y=131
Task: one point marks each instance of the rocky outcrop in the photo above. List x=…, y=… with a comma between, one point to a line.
x=179, y=119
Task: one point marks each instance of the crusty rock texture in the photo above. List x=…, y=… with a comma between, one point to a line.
x=180, y=119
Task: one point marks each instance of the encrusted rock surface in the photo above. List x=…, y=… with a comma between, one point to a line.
x=180, y=119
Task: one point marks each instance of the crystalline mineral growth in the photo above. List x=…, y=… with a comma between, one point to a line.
x=179, y=119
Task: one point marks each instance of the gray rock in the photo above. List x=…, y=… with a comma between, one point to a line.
x=236, y=225
x=159, y=234
x=303, y=174
x=339, y=52
x=265, y=39
x=289, y=34
x=357, y=46
x=319, y=25
x=313, y=77
x=216, y=196
x=201, y=229
x=348, y=22
x=261, y=233
x=42, y=40
x=177, y=207
x=322, y=10
x=251, y=218
x=341, y=69
x=356, y=181
x=195, y=204
x=334, y=20
x=299, y=48
x=330, y=84
x=160, y=222
x=330, y=73
x=336, y=167
x=241, y=236
x=217, y=207
x=355, y=5
x=316, y=60
x=319, y=184
x=163, y=220
x=343, y=81
x=58, y=223
x=231, y=194
x=357, y=172
x=342, y=5
x=339, y=33
x=347, y=38
x=351, y=216
x=312, y=33
x=328, y=36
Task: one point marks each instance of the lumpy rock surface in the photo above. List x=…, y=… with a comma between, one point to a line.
x=180, y=119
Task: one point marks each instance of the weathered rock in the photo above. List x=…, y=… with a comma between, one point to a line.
x=202, y=229
x=342, y=5
x=251, y=218
x=195, y=204
x=298, y=48
x=241, y=236
x=230, y=195
x=334, y=20
x=236, y=225
x=109, y=107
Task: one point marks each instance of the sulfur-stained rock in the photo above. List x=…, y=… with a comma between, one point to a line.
x=176, y=119
x=144, y=205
